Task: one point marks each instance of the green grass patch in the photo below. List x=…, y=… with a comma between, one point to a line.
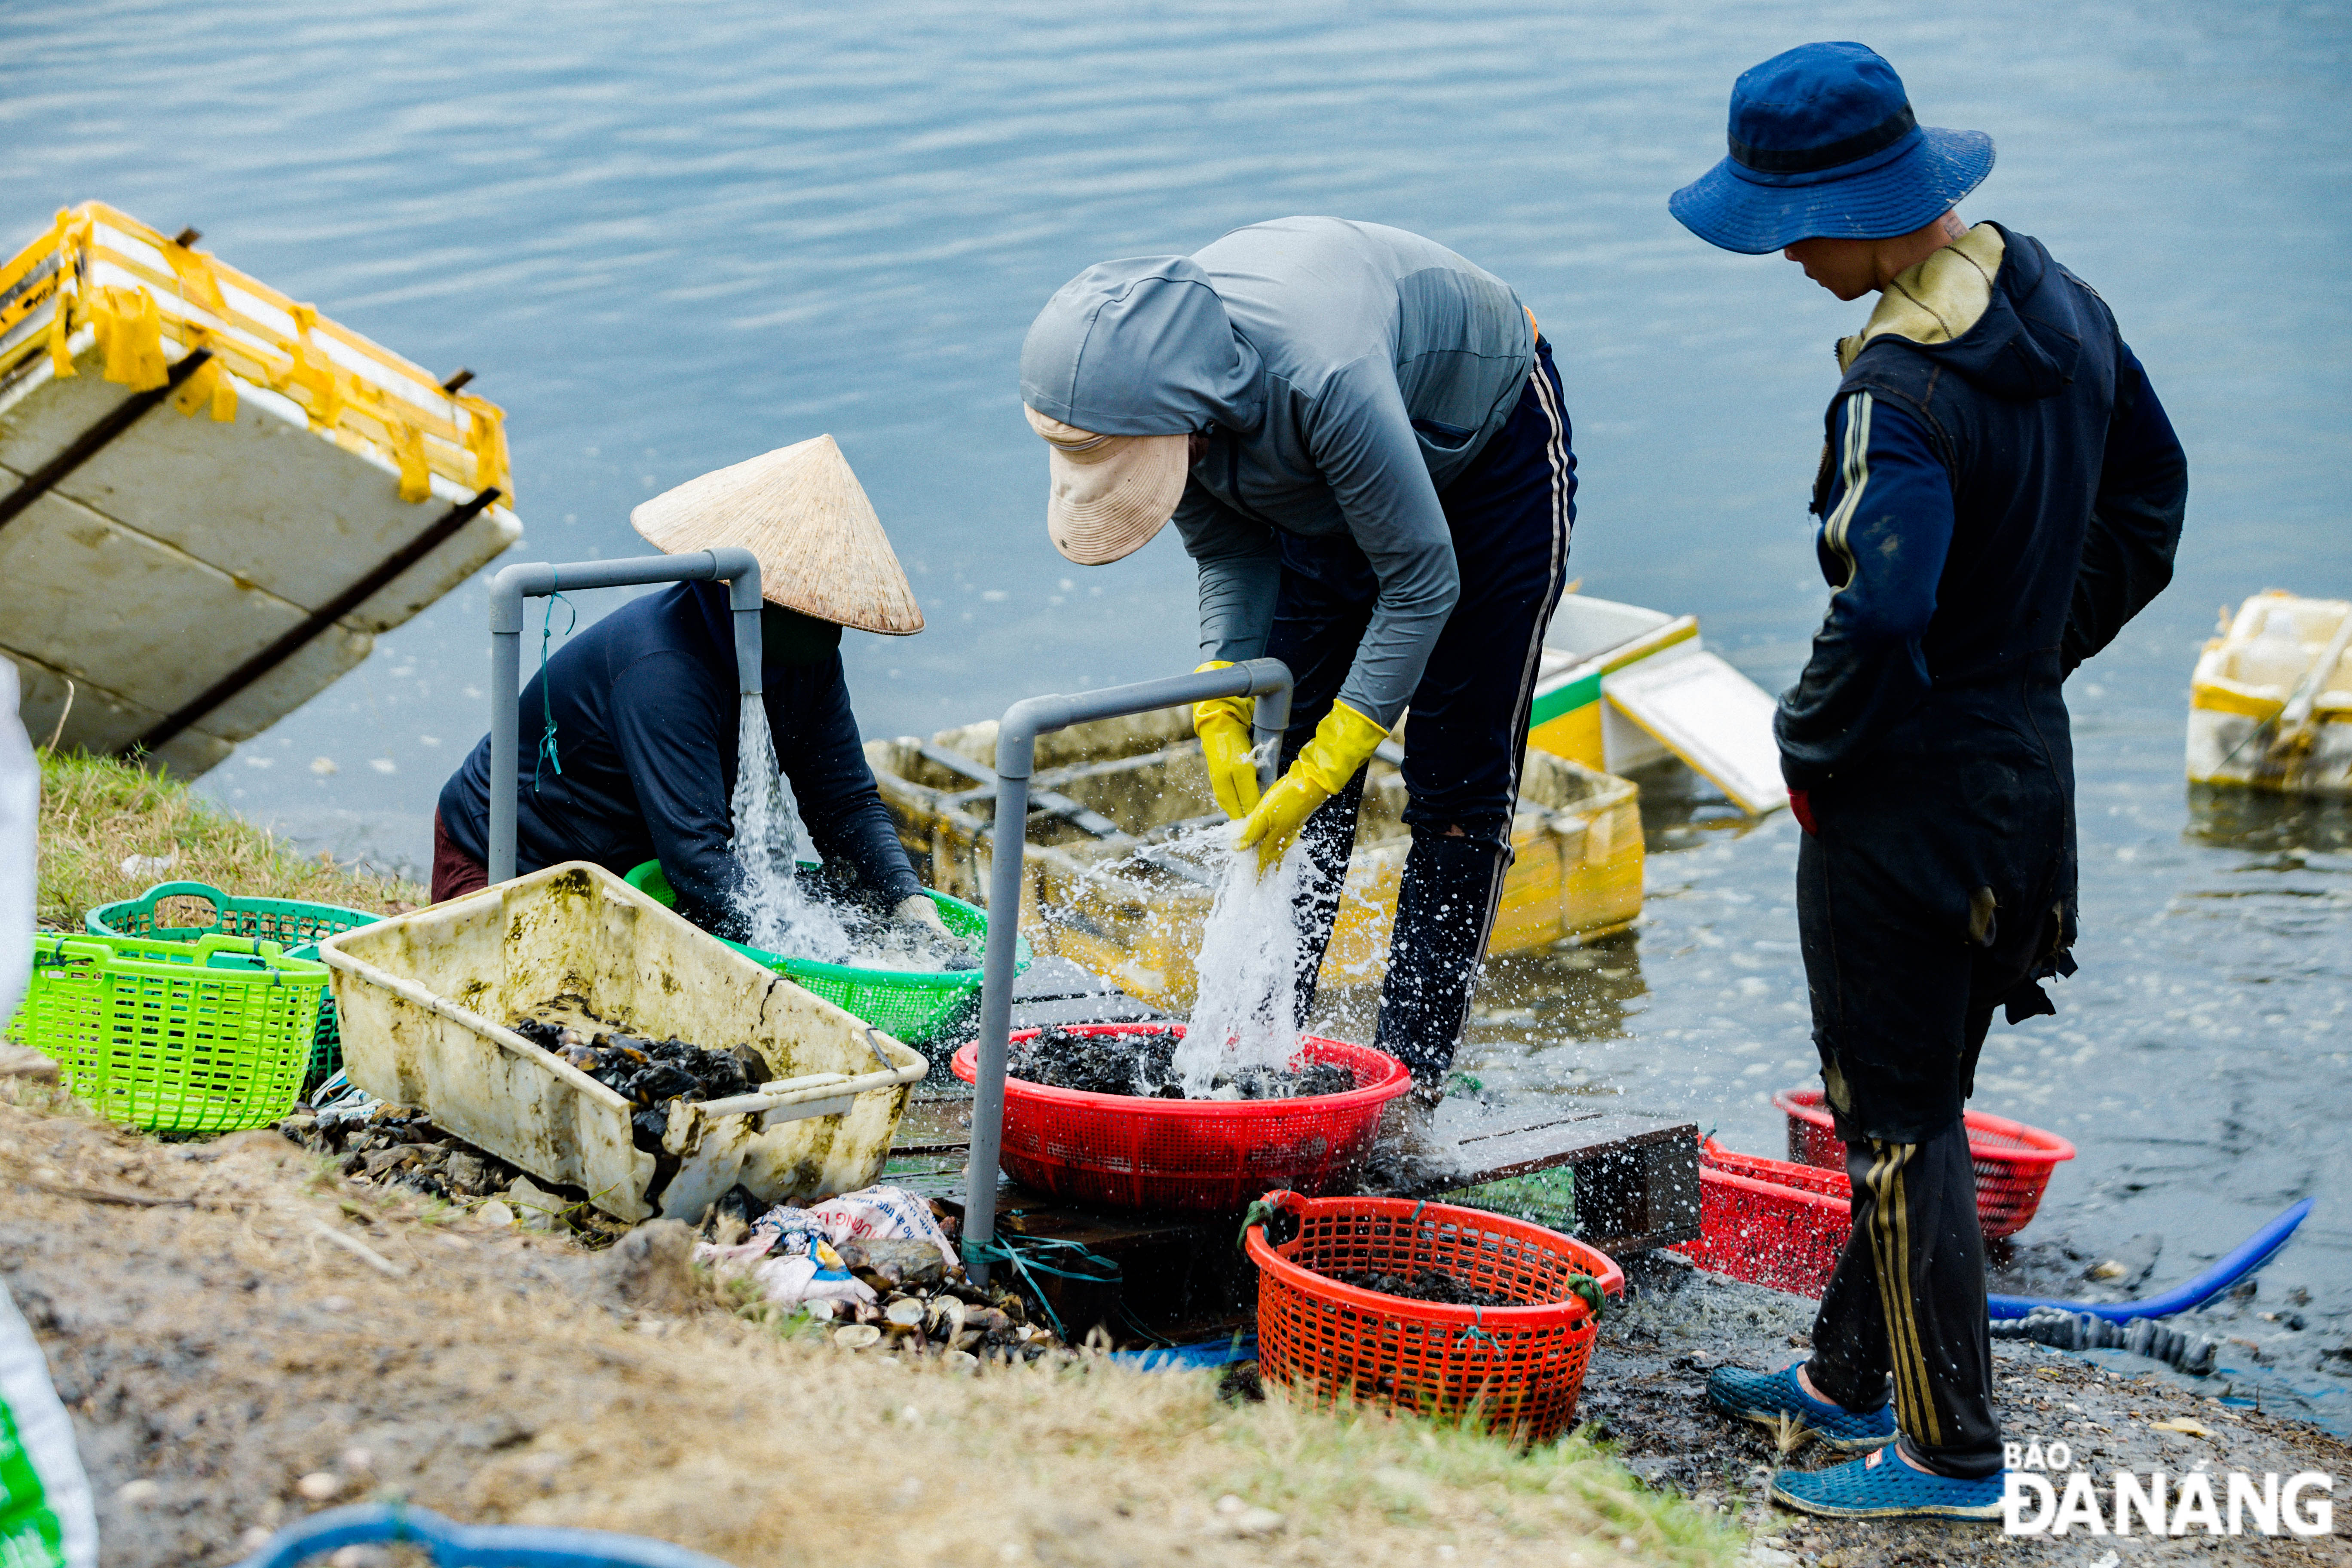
x=97, y=813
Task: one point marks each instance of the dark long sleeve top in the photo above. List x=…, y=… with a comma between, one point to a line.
x=2135, y=522
x=645, y=707
x=1996, y=502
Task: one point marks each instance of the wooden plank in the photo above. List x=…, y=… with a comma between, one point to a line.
x=1052, y=990
x=1636, y=1176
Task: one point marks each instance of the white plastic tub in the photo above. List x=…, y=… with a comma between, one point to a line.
x=424, y=1000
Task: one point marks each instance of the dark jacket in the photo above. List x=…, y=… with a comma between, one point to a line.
x=646, y=706
x=2001, y=492
x=1995, y=505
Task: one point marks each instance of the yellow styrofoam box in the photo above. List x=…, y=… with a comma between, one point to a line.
x=1577, y=870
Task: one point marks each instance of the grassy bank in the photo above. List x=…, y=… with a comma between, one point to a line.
x=97, y=813
x=493, y=1374
x=213, y=1348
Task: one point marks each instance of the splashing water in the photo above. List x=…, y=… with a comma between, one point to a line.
x=1248, y=966
x=769, y=841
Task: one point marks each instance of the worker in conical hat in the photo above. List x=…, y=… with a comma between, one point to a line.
x=645, y=702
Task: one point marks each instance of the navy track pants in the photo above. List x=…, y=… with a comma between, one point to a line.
x=1465, y=740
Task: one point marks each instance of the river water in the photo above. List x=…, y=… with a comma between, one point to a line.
x=668, y=238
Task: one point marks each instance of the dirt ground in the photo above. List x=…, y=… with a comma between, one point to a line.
x=243, y=1336
x=1645, y=1393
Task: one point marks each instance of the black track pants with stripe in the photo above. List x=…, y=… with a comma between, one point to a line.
x=1906, y=1305
x=1465, y=742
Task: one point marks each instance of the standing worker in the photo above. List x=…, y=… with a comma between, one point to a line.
x=1361, y=438
x=638, y=759
x=1999, y=493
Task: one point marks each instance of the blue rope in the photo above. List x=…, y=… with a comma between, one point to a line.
x=1002, y=1250
x=546, y=753
x=1477, y=1330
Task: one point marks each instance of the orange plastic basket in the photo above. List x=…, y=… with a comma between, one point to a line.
x=2014, y=1161
x=1516, y=1370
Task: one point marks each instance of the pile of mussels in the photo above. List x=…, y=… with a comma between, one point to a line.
x=649, y=1074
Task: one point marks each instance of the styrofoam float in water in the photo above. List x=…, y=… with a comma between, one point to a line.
x=212, y=497
x=2270, y=704
x=1619, y=687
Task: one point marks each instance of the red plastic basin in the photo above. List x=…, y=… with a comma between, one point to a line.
x=2014, y=1161
x=1769, y=1221
x=1124, y=1152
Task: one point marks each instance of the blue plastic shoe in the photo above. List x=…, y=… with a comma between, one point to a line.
x=1767, y=1398
x=1883, y=1486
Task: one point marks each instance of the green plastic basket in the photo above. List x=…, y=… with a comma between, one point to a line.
x=908, y=1004
x=1546, y=1198
x=211, y=1036
x=293, y=924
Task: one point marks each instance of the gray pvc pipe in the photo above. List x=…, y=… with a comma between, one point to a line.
x=1267, y=680
x=737, y=568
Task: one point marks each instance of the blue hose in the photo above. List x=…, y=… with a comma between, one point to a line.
x=455, y=1545
x=2252, y=1254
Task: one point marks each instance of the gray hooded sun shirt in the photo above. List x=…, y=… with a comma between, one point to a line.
x=1344, y=372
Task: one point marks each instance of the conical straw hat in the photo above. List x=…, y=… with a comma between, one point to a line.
x=803, y=513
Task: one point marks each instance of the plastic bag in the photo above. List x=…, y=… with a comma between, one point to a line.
x=812, y=1272
x=875, y=1213
x=45, y=1517
x=789, y=1250
x=20, y=801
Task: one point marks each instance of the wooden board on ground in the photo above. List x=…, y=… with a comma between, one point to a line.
x=1054, y=990
x=1635, y=1176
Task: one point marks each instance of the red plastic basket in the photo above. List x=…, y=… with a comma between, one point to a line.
x=1769, y=1221
x=2014, y=1161
x=1125, y=1151
x=1516, y=1370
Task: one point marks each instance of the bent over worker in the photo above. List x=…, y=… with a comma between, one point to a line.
x=1361, y=438
x=1999, y=492
x=638, y=714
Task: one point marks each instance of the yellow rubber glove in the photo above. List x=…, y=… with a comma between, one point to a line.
x=1341, y=744
x=1223, y=725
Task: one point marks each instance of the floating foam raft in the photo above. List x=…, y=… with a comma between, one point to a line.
x=1619, y=687
x=2270, y=704
x=212, y=497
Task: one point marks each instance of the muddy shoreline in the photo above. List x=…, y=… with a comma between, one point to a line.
x=1645, y=1394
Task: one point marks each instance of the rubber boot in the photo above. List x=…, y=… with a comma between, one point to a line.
x=1409, y=1153
x=1330, y=838
x=1446, y=908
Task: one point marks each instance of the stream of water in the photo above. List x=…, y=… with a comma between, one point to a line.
x=770, y=841
x=1244, y=1013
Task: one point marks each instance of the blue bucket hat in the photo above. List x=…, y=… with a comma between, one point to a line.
x=1823, y=145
